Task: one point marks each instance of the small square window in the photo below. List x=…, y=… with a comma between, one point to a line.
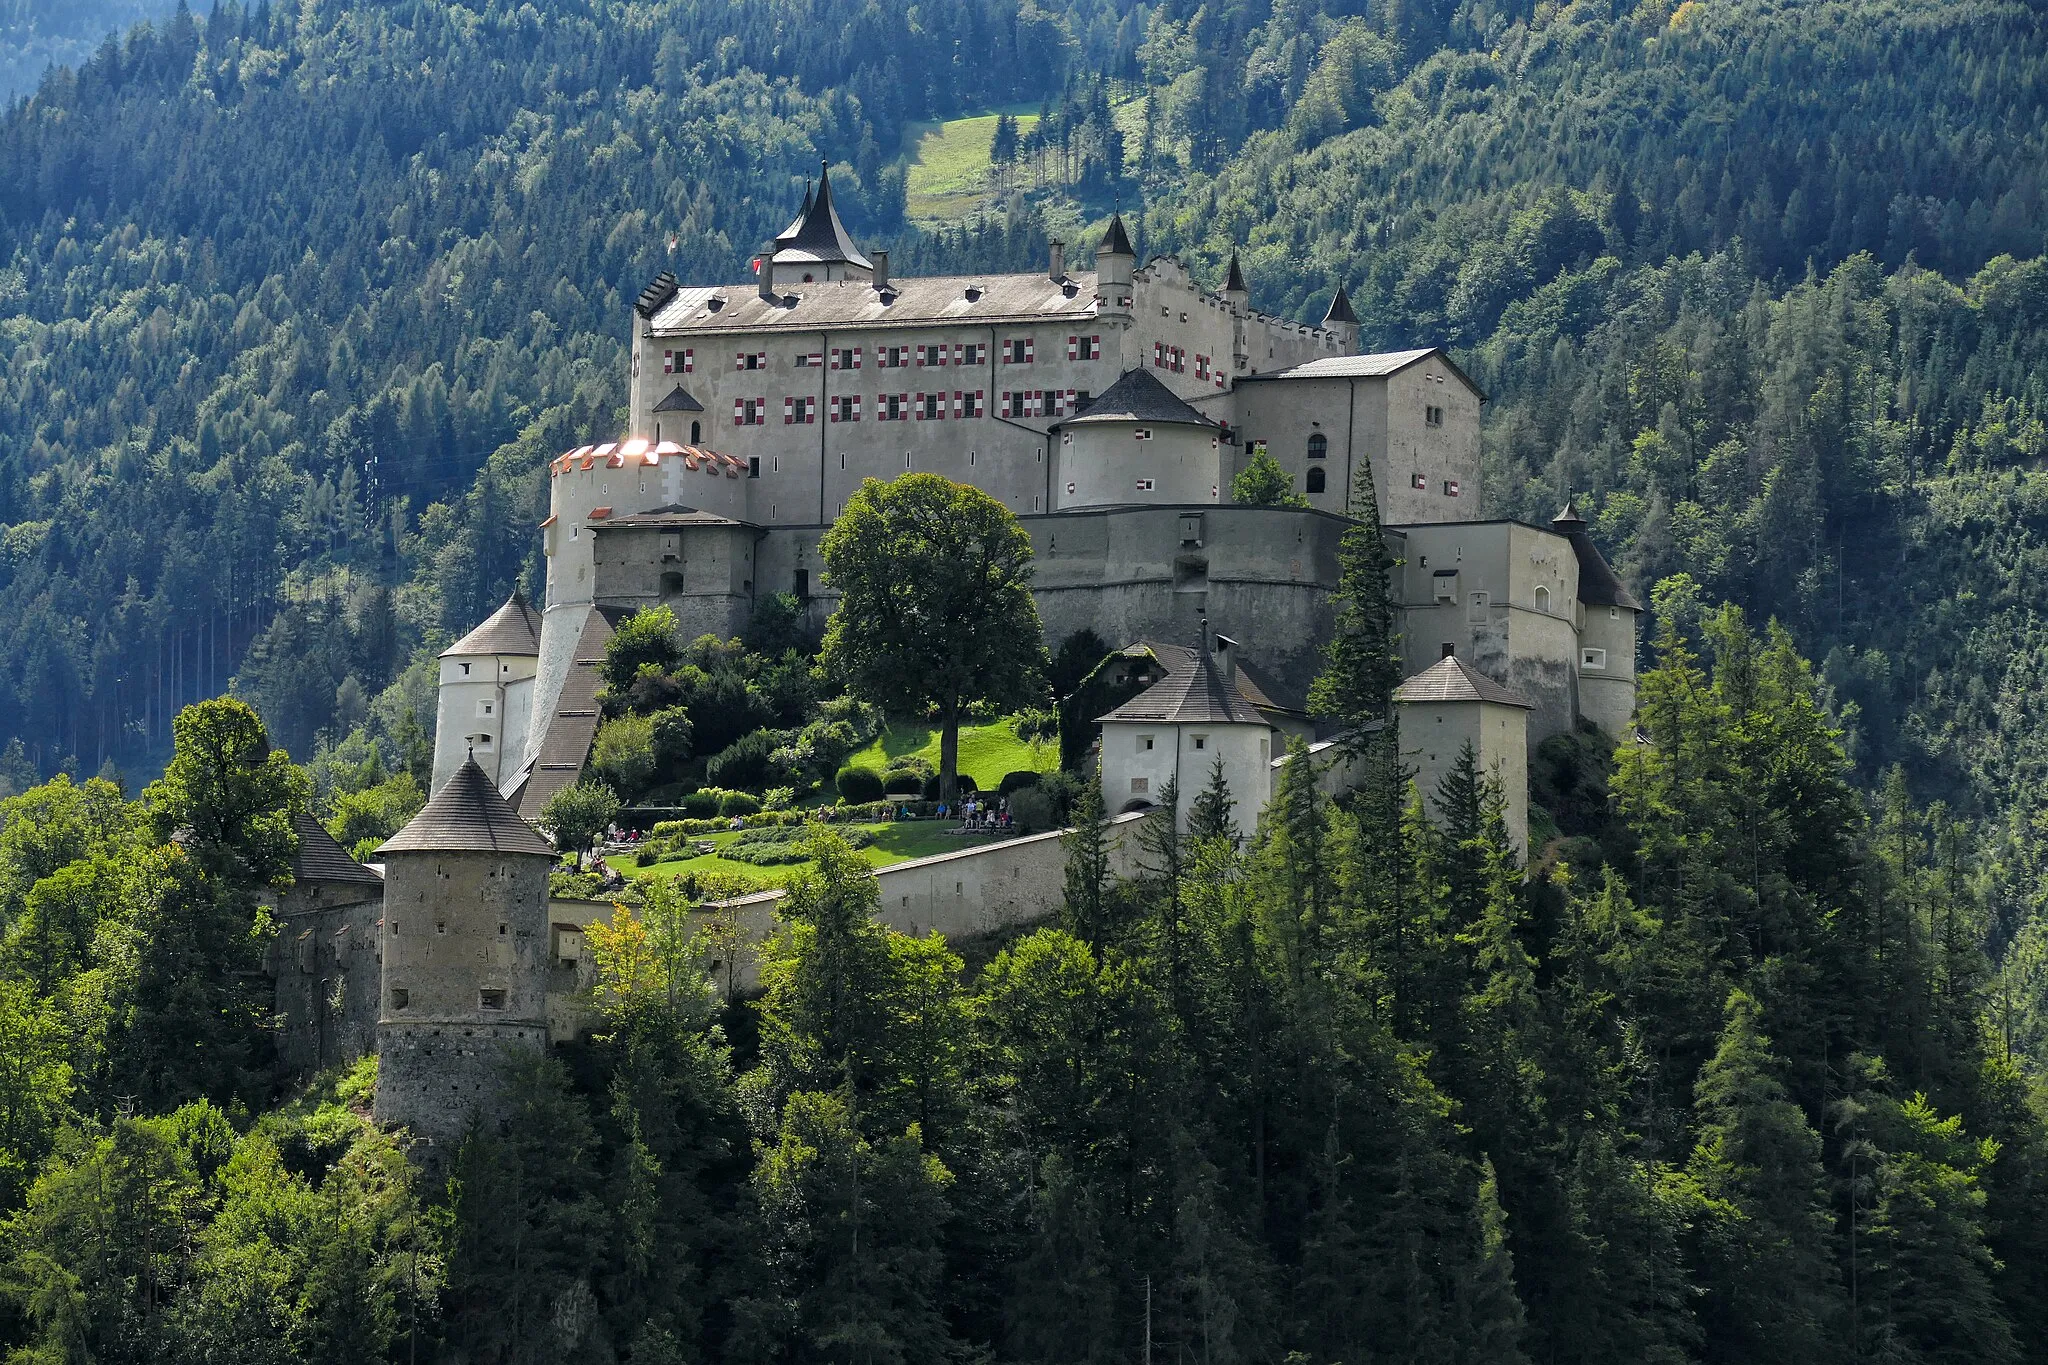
x=400, y=997
x=490, y=998
x=1144, y=744
x=1593, y=659
x=1201, y=741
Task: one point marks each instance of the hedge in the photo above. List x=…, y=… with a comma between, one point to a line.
x=857, y=786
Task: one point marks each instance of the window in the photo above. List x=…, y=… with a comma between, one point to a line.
x=1450, y=488
x=1416, y=481
x=1070, y=488
x=490, y=998
x=970, y=403
x=1145, y=485
x=803, y=583
x=753, y=466
x=483, y=741
x=891, y=357
x=1084, y=348
x=400, y=997
x=1017, y=350
x=810, y=360
x=970, y=353
x=1142, y=434
x=1023, y=403
x=751, y=360
x=696, y=433
x=465, y=670
x=1543, y=600
x=1177, y=359
x=678, y=362
x=1201, y=366
x=1201, y=741
x=846, y=357
x=1318, y=447
x=1144, y=744
x=1061, y=402
x=749, y=412
x=892, y=407
x=1317, y=479
x=931, y=355
x=1595, y=659
x=1432, y=415
x=846, y=407
x=930, y=406
x=799, y=411
x=1159, y=354
x=1449, y=649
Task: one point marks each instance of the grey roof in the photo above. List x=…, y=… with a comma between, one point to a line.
x=1452, y=679
x=1138, y=396
x=679, y=400
x=565, y=744
x=1256, y=688
x=1192, y=693
x=1340, y=309
x=1234, y=282
x=922, y=299
x=659, y=291
x=468, y=816
x=320, y=859
x=672, y=514
x=1116, y=239
x=512, y=629
x=1377, y=366
x=1598, y=586
x=817, y=236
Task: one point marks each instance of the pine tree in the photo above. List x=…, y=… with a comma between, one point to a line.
x=1086, y=908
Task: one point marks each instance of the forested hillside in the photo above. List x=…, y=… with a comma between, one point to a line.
x=36, y=35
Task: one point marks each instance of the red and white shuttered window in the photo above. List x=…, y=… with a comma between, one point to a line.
x=1158, y=355
x=1060, y=402
x=810, y=360
x=845, y=407
x=750, y=360
x=1219, y=376
x=1201, y=366
x=1027, y=402
x=678, y=362
x=846, y=357
x=799, y=411
x=1084, y=348
x=929, y=406
x=932, y=355
x=892, y=407
x=1176, y=360
x=1018, y=350
x=970, y=353
x=749, y=412
x=970, y=402
x=891, y=357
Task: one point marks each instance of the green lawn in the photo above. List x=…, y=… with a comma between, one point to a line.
x=894, y=843
x=949, y=168
x=986, y=751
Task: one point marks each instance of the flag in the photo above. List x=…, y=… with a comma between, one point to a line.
x=757, y=265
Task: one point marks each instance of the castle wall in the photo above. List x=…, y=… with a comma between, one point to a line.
x=465, y=946
x=1607, y=679
x=325, y=972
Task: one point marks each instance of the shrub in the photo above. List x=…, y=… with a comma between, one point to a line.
x=1031, y=811
x=702, y=804
x=778, y=798
x=624, y=754
x=666, y=829
x=967, y=786
x=1016, y=782
x=859, y=785
x=1038, y=723
x=903, y=782
x=739, y=803
x=912, y=763
x=744, y=762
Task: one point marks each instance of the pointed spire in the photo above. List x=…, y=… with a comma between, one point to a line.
x=1234, y=282
x=1116, y=240
x=1569, y=519
x=1340, y=310
x=817, y=236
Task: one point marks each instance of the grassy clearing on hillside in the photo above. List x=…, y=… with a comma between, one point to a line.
x=949, y=165
x=986, y=751
x=895, y=842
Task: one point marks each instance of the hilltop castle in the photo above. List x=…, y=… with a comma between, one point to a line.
x=1110, y=409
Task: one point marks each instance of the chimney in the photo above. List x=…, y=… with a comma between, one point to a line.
x=1058, y=270
x=767, y=284
x=881, y=260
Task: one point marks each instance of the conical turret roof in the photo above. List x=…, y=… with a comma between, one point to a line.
x=468, y=816
x=1116, y=239
x=1234, y=282
x=1340, y=310
x=1138, y=396
x=512, y=629
x=320, y=859
x=818, y=237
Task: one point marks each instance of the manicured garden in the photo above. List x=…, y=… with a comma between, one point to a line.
x=891, y=842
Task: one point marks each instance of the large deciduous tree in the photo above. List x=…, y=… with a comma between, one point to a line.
x=935, y=610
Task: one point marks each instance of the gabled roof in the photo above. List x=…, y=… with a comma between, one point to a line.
x=968, y=300
x=468, y=816
x=1116, y=239
x=1452, y=679
x=1192, y=693
x=1254, y=686
x=1340, y=309
x=818, y=237
x=1234, y=281
x=512, y=629
x=1138, y=396
x=320, y=859
x=679, y=400
x=1598, y=586
x=1380, y=365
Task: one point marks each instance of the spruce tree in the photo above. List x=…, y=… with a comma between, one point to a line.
x=1086, y=905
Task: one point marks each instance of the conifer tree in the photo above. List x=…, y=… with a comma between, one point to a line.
x=1085, y=909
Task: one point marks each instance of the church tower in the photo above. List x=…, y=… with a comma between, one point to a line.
x=465, y=941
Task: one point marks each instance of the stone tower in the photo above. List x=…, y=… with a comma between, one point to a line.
x=465, y=959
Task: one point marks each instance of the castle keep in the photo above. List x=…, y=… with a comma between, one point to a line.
x=1110, y=408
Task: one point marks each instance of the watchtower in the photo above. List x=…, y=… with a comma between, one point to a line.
x=465, y=958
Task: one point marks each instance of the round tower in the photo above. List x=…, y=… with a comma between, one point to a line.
x=1138, y=443
x=465, y=948
x=1116, y=266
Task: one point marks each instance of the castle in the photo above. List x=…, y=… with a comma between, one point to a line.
x=1109, y=408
